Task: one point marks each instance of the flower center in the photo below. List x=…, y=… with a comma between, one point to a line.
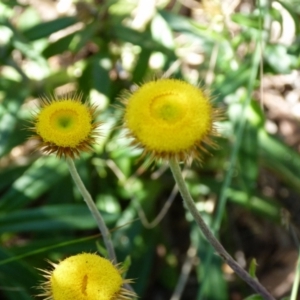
x=168, y=108
x=64, y=120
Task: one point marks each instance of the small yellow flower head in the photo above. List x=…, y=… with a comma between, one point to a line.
x=85, y=276
x=170, y=119
x=65, y=126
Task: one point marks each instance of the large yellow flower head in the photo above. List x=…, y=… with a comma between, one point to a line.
x=85, y=276
x=65, y=126
x=170, y=119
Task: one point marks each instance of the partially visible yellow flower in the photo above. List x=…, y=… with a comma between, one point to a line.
x=85, y=276
x=169, y=119
x=65, y=126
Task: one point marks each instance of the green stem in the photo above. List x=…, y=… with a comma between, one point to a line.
x=297, y=274
x=296, y=280
x=94, y=210
x=254, y=283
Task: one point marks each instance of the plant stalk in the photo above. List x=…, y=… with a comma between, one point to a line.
x=254, y=283
x=94, y=210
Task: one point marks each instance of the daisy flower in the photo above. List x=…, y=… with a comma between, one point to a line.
x=85, y=276
x=65, y=126
x=170, y=119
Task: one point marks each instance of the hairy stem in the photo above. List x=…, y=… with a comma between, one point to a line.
x=254, y=283
x=94, y=210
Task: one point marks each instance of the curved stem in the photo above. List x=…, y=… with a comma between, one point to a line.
x=94, y=210
x=161, y=214
x=185, y=272
x=254, y=283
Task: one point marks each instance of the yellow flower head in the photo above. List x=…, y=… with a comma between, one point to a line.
x=85, y=276
x=65, y=126
x=170, y=119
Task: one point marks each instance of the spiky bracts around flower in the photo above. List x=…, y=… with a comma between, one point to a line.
x=170, y=119
x=85, y=276
x=65, y=126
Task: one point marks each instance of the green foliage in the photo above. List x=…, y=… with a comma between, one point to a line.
x=102, y=50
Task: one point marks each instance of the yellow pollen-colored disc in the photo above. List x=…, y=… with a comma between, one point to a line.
x=85, y=276
x=64, y=123
x=168, y=116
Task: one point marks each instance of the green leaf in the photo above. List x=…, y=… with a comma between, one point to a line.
x=278, y=59
x=17, y=278
x=142, y=39
x=9, y=121
x=58, y=46
x=195, y=29
x=248, y=20
x=252, y=268
x=249, y=151
x=290, y=7
x=96, y=74
x=55, y=79
x=43, y=30
x=229, y=83
x=54, y=217
x=133, y=236
x=161, y=32
x=142, y=65
x=37, y=179
x=30, y=17
x=126, y=264
x=254, y=297
x=82, y=37
x=281, y=159
x=9, y=175
x=267, y=208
